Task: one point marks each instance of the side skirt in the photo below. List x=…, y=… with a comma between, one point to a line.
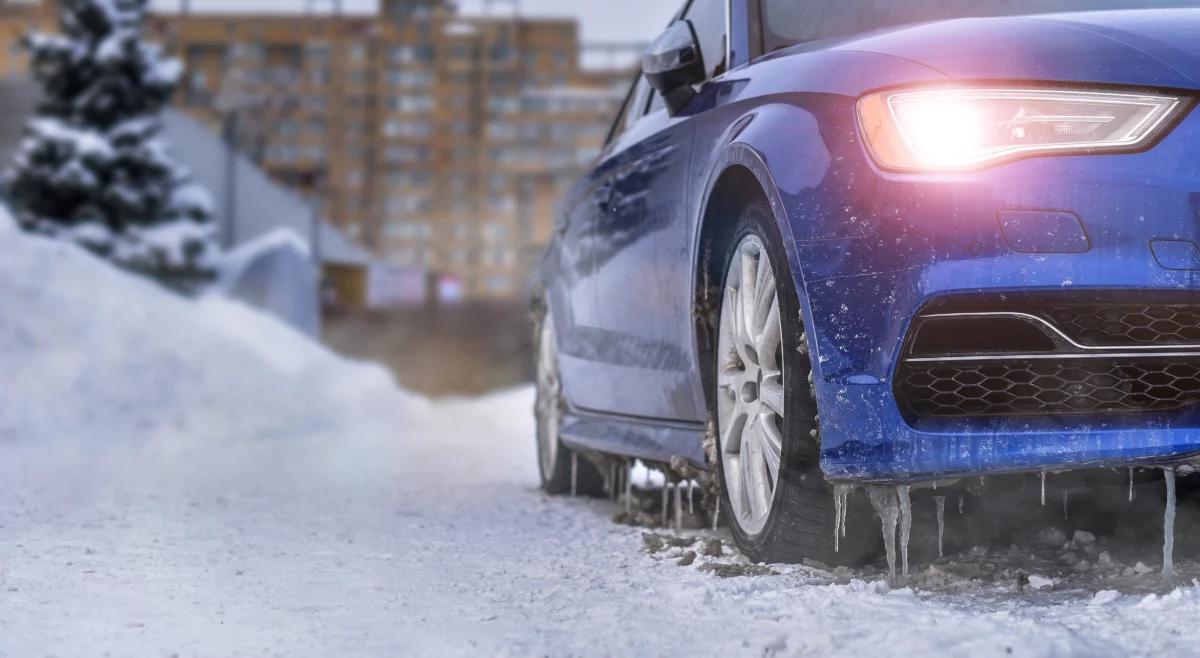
x=638, y=438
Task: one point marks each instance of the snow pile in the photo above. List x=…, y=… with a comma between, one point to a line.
x=94, y=354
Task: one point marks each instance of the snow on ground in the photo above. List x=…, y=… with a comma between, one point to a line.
x=191, y=479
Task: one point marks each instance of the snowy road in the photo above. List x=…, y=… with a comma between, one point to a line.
x=385, y=546
x=190, y=479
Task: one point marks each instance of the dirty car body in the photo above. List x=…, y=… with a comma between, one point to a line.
x=1012, y=305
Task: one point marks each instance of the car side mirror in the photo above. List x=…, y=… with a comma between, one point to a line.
x=673, y=63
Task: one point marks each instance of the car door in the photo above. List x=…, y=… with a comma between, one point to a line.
x=576, y=294
x=639, y=368
x=640, y=346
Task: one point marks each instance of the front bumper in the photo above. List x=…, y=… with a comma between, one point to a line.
x=913, y=239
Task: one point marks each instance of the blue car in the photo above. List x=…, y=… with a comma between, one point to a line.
x=837, y=244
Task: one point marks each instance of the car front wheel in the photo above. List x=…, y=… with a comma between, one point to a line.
x=781, y=508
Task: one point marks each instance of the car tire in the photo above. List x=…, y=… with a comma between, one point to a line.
x=555, y=459
x=798, y=520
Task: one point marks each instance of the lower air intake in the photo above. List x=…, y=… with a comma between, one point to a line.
x=1043, y=387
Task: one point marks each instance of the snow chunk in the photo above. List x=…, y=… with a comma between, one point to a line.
x=1040, y=582
x=1051, y=537
x=1104, y=597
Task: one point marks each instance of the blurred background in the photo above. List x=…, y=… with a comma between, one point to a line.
x=421, y=148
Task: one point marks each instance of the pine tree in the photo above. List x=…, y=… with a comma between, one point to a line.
x=93, y=167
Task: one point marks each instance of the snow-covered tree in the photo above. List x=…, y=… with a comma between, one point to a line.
x=93, y=167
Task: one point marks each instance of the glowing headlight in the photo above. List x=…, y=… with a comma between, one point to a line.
x=949, y=129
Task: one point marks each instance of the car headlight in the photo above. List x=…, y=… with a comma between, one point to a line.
x=955, y=129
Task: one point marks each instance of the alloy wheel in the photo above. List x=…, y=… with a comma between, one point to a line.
x=549, y=399
x=750, y=385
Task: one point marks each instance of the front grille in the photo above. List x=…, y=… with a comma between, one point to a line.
x=1008, y=388
x=1126, y=324
x=1029, y=355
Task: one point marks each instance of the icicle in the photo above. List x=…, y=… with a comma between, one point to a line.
x=1131, y=484
x=1043, y=488
x=884, y=502
x=905, y=526
x=666, y=493
x=960, y=503
x=1066, y=495
x=940, y=501
x=841, y=496
x=679, y=506
x=845, y=508
x=574, y=474
x=716, y=514
x=691, y=496
x=1168, y=568
x=837, y=515
x=628, y=490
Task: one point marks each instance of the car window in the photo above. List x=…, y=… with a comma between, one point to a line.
x=788, y=22
x=637, y=106
x=656, y=102
x=708, y=20
x=618, y=126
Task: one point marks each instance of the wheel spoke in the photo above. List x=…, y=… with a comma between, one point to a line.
x=746, y=298
x=769, y=337
x=757, y=484
x=730, y=378
x=772, y=445
x=746, y=459
x=731, y=432
x=770, y=392
x=764, y=297
x=733, y=327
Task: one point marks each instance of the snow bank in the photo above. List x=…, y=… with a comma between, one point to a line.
x=91, y=354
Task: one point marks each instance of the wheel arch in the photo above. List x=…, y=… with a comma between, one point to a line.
x=740, y=176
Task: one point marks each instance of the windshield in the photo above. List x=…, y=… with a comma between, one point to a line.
x=788, y=22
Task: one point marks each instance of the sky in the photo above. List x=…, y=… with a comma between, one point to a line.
x=600, y=20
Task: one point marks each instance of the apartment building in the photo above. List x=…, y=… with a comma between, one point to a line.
x=437, y=140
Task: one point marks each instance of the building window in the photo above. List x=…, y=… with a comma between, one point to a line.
x=495, y=231
x=408, y=129
x=498, y=284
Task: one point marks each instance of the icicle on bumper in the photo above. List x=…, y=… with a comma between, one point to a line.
x=940, y=501
x=883, y=499
x=902, y=496
x=841, y=496
x=1168, y=567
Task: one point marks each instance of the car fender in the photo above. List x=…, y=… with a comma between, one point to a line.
x=751, y=143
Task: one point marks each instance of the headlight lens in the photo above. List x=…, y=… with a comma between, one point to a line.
x=954, y=129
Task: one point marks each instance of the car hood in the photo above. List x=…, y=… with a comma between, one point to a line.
x=1159, y=48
